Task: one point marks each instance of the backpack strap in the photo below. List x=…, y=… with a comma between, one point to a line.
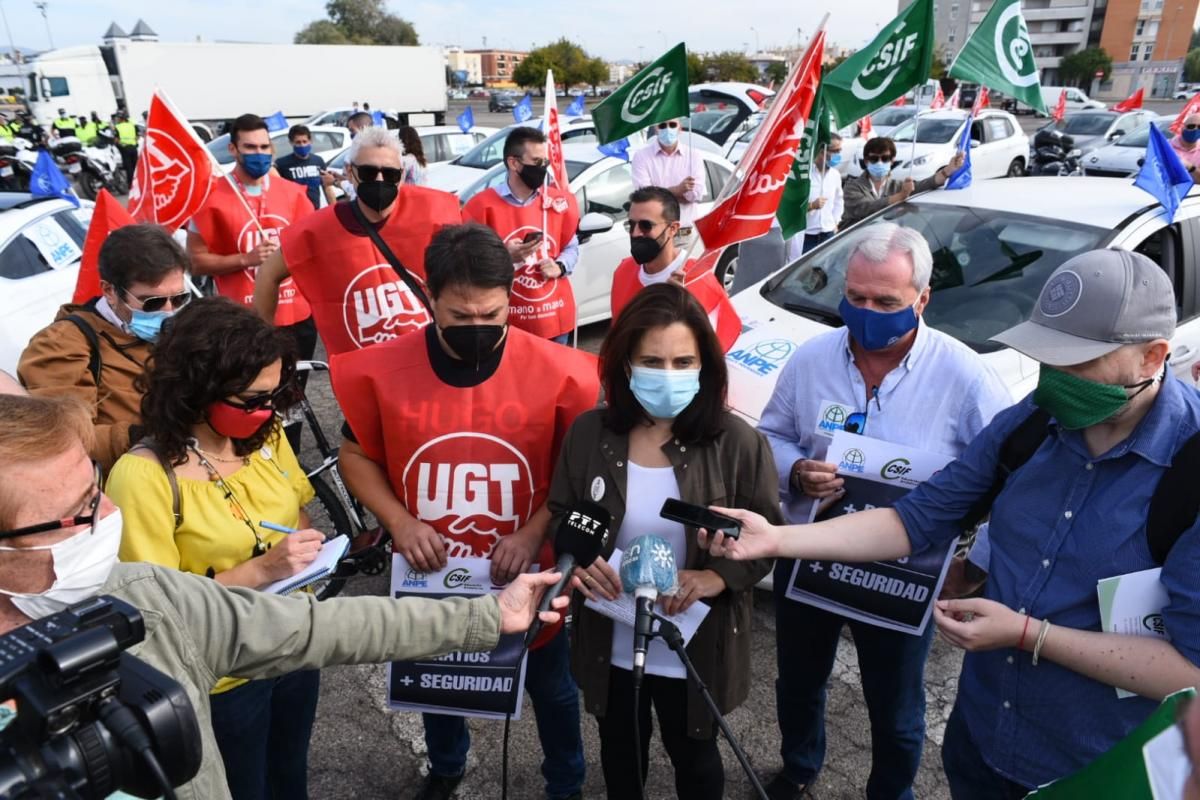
x=1175, y=503
x=94, y=362
x=148, y=443
x=1016, y=449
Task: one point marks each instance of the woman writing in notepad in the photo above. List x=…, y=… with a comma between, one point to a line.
x=213, y=467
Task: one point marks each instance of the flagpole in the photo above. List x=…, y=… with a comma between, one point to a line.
x=916, y=127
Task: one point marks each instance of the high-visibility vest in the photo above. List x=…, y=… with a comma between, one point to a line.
x=65, y=126
x=6, y=132
x=127, y=133
x=86, y=133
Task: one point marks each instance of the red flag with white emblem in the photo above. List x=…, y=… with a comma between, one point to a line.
x=981, y=101
x=747, y=212
x=939, y=100
x=107, y=216
x=955, y=99
x=866, y=130
x=1060, y=108
x=1131, y=103
x=174, y=170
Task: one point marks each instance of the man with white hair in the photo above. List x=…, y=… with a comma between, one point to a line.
x=910, y=385
x=361, y=264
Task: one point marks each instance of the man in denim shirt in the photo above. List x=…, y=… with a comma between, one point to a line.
x=1036, y=697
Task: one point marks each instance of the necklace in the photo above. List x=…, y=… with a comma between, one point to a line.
x=235, y=505
x=194, y=444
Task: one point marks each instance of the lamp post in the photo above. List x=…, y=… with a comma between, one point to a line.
x=664, y=38
x=41, y=5
x=757, y=43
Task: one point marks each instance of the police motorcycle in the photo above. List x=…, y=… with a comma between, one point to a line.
x=19, y=155
x=102, y=167
x=1054, y=153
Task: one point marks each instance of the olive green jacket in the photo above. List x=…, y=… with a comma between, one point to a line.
x=198, y=630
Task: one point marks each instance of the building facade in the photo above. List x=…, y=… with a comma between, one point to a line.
x=497, y=66
x=466, y=67
x=1148, y=41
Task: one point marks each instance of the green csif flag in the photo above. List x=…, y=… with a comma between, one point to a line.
x=658, y=92
x=999, y=55
x=793, y=207
x=896, y=60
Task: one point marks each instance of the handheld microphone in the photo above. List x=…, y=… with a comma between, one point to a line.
x=647, y=570
x=580, y=539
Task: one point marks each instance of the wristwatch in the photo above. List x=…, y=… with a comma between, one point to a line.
x=563, y=267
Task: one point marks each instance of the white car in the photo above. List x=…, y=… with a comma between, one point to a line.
x=41, y=243
x=602, y=185
x=994, y=245
x=327, y=142
x=441, y=143
x=886, y=120
x=720, y=111
x=461, y=172
x=999, y=148
x=1123, y=158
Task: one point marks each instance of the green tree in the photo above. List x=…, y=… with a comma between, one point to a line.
x=776, y=72
x=1195, y=39
x=1191, y=66
x=358, y=22
x=938, y=67
x=1080, y=68
x=696, y=71
x=570, y=62
x=731, y=66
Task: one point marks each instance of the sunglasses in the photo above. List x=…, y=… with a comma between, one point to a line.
x=1191, y=127
x=662, y=126
x=68, y=522
x=878, y=159
x=159, y=302
x=264, y=399
x=643, y=225
x=367, y=173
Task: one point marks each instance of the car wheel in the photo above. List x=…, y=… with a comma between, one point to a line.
x=727, y=267
x=1016, y=168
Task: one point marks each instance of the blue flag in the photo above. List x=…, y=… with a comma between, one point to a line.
x=276, y=122
x=1163, y=175
x=578, y=107
x=466, y=120
x=523, y=111
x=961, y=178
x=618, y=149
x=377, y=119
x=47, y=179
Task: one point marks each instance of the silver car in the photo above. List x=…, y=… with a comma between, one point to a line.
x=1123, y=157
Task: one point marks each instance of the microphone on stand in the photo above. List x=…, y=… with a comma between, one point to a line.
x=647, y=570
x=580, y=539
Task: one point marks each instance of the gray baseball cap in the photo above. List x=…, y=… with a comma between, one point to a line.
x=1093, y=304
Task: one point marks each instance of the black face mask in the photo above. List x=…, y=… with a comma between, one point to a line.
x=473, y=343
x=533, y=175
x=644, y=249
x=377, y=195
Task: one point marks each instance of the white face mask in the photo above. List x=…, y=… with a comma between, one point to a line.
x=82, y=564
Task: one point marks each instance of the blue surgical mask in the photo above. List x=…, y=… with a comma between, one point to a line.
x=303, y=150
x=256, y=164
x=876, y=330
x=1191, y=137
x=146, y=325
x=834, y=159
x=664, y=393
x=878, y=169
x=667, y=137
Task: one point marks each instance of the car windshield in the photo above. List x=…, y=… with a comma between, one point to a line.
x=988, y=268
x=893, y=115
x=486, y=154
x=1141, y=136
x=1086, y=124
x=932, y=131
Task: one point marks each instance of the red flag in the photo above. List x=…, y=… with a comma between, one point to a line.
x=700, y=107
x=701, y=280
x=554, y=148
x=981, y=100
x=107, y=216
x=174, y=171
x=899, y=101
x=939, y=100
x=865, y=129
x=748, y=211
x=955, y=99
x=1060, y=108
x=1192, y=107
x=1131, y=103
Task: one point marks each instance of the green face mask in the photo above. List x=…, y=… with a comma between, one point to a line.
x=1079, y=403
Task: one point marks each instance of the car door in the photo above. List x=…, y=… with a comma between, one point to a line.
x=604, y=188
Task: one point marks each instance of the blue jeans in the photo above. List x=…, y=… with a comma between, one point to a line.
x=892, y=665
x=555, y=699
x=969, y=776
x=811, y=240
x=262, y=729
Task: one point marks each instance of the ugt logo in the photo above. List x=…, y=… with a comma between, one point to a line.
x=379, y=306
x=529, y=284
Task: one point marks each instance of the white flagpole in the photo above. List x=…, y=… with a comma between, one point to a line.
x=916, y=127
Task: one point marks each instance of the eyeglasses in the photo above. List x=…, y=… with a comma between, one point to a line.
x=662, y=126
x=68, y=522
x=159, y=302
x=367, y=173
x=643, y=225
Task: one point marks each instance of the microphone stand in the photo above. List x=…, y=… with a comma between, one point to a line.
x=670, y=634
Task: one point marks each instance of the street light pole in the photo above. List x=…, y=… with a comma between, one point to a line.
x=757, y=43
x=12, y=47
x=41, y=5
x=664, y=38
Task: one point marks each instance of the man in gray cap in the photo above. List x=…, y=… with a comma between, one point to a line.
x=1070, y=476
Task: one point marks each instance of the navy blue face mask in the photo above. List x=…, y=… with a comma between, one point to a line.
x=876, y=330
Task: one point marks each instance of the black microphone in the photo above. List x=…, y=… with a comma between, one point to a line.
x=580, y=539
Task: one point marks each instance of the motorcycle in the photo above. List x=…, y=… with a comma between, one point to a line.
x=17, y=159
x=106, y=169
x=1055, y=154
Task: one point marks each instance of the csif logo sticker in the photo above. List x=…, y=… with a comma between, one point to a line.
x=1154, y=624
x=456, y=578
x=895, y=469
x=646, y=96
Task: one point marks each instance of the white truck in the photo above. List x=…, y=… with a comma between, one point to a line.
x=211, y=82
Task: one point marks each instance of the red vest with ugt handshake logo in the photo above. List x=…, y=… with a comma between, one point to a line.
x=357, y=298
x=545, y=308
x=226, y=228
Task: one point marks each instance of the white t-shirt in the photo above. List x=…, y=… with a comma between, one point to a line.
x=663, y=275
x=654, y=485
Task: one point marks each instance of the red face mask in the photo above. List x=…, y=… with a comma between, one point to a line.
x=236, y=422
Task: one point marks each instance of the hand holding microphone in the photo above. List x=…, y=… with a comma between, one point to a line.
x=580, y=538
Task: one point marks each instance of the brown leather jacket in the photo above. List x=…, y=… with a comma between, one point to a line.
x=56, y=363
x=735, y=470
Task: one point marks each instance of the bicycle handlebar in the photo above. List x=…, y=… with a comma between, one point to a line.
x=312, y=366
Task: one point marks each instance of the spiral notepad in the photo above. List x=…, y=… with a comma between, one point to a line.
x=321, y=567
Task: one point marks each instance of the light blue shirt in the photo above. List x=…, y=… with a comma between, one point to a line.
x=938, y=399
x=568, y=256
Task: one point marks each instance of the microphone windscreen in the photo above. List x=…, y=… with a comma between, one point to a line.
x=583, y=533
x=649, y=562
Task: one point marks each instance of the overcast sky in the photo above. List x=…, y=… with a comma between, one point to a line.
x=613, y=29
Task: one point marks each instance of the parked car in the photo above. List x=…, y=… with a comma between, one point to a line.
x=721, y=110
x=999, y=148
x=41, y=243
x=327, y=141
x=501, y=101
x=1092, y=130
x=1123, y=158
x=334, y=116
x=994, y=245
x=887, y=119
x=602, y=185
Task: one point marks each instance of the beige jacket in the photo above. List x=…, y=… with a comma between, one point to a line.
x=197, y=630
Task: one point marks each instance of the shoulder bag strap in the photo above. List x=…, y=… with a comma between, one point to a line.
x=404, y=274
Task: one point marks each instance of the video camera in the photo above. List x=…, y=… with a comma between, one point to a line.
x=91, y=719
